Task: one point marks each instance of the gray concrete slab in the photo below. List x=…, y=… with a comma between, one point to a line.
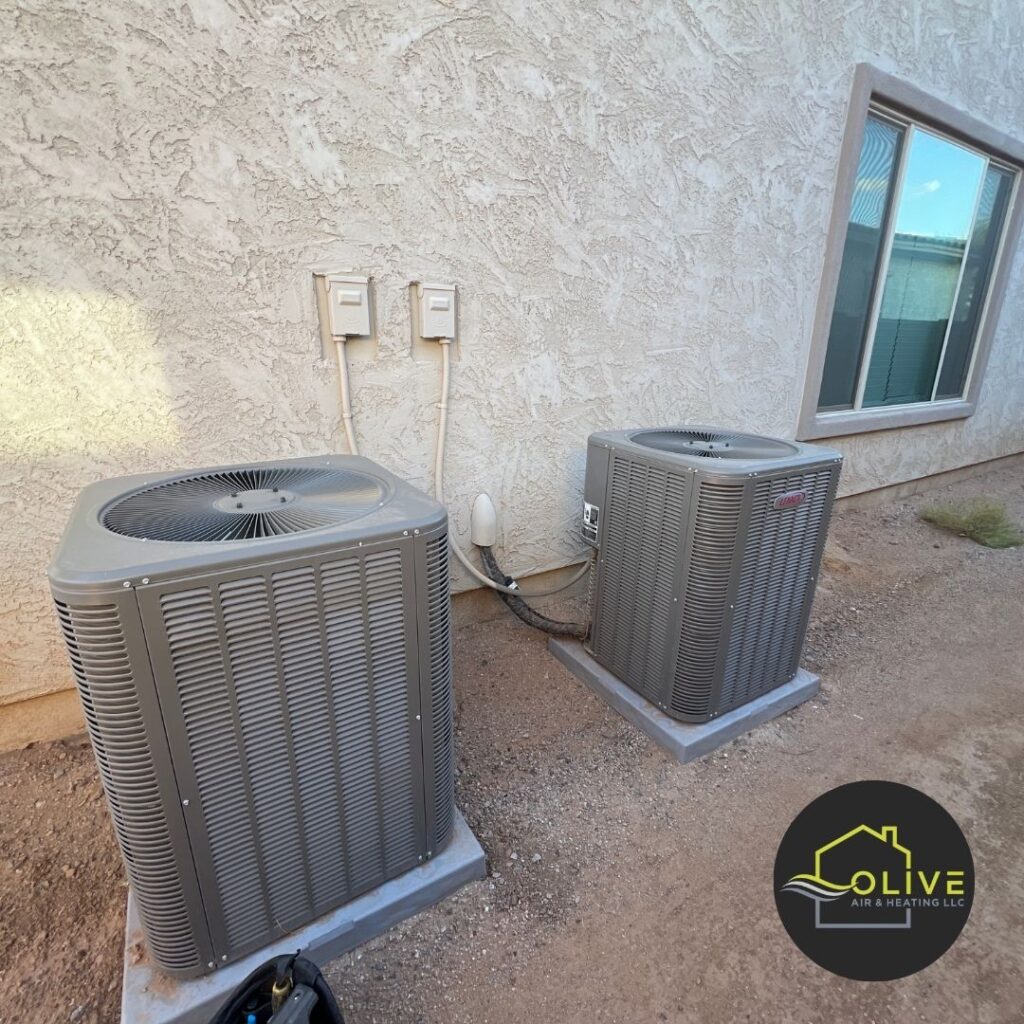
x=150, y=997
x=681, y=740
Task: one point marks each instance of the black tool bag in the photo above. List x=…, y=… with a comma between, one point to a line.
x=289, y=989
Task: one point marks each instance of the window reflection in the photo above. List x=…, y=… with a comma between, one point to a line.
x=871, y=196
x=934, y=217
x=981, y=259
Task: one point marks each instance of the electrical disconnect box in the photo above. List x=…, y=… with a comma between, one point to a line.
x=345, y=300
x=436, y=310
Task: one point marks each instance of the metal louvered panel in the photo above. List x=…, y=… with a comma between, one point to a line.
x=366, y=620
x=294, y=686
x=97, y=647
x=708, y=575
x=613, y=569
x=391, y=679
x=348, y=657
x=265, y=749
x=305, y=666
x=441, y=724
x=642, y=536
x=209, y=717
x=658, y=570
x=775, y=584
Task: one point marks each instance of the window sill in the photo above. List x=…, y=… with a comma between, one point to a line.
x=863, y=421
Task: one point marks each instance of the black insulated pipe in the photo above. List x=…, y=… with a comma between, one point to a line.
x=518, y=606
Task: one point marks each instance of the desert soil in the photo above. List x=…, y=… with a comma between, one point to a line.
x=623, y=886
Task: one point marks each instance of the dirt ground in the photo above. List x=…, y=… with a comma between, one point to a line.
x=623, y=886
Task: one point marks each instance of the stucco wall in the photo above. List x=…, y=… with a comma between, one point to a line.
x=632, y=198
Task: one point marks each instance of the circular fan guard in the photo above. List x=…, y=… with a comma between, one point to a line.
x=244, y=504
x=713, y=444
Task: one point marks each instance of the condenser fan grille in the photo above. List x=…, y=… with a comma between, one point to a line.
x=713, y=444
x=244, y=504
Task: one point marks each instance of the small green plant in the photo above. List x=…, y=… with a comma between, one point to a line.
x=983, y=520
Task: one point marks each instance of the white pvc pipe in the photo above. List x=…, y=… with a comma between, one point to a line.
x=442, y=432
x=346, y=397
x=442, y=422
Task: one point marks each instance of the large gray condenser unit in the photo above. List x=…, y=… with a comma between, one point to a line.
x=709, y=544
x=262, y=654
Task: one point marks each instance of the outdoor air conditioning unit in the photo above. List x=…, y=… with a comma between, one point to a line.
x=262, y=654
x=709, y=544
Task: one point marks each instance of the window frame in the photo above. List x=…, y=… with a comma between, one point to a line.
x=875, y=91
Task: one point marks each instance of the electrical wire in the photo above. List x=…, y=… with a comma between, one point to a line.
x=346, y=396
x=442, y=433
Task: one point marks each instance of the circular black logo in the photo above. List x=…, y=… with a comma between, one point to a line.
x=874, y=881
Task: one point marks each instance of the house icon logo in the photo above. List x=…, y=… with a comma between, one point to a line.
x=874, y=880
x=835, y=859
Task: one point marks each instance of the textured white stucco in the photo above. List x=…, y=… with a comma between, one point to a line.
x=632, y=197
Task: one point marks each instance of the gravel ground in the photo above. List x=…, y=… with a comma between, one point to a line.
x=623, y=886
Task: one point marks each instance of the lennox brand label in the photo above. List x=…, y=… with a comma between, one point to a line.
x=789, y=499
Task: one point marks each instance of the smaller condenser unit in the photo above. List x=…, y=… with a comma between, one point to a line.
x=709, y=544
x=262, y=654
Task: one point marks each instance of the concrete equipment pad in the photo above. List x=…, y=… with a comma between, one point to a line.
x=149, y=996
x=683, y=741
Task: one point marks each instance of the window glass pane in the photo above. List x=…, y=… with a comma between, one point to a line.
x=872, y=192
x=934, y=214
x=981, y=258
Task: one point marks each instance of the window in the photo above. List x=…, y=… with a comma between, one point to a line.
x=925, y=220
